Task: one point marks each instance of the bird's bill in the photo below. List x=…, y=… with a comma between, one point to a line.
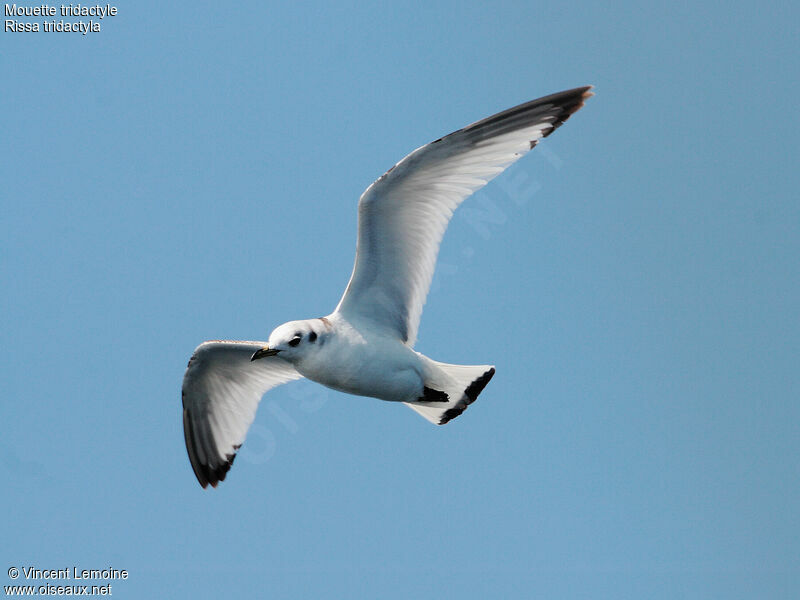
x=262, y=352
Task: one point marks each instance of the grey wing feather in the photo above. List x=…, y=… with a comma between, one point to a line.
x=403, y=215
x=221, y=391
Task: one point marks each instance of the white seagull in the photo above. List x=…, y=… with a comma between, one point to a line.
x=365, y=346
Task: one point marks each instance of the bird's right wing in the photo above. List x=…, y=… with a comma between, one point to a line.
x=221, y=391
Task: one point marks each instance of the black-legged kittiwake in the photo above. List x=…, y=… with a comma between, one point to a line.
x=365, y=346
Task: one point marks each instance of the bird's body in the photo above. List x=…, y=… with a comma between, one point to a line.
x=360, y=362
x=365, y=346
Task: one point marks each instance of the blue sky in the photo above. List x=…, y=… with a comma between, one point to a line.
x=191, y=172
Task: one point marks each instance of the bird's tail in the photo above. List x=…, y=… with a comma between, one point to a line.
x=449, y=389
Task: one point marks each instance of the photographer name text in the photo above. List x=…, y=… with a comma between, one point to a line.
x=32, y=573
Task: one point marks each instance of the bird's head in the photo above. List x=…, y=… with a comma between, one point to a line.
x=293, y=340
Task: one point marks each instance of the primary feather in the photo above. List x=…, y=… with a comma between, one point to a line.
x=221, y=392
x=403, y=215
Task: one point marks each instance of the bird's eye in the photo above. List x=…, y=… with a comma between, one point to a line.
x=294, y=341
x=312, y=337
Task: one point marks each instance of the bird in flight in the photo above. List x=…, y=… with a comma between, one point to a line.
x=365, y=346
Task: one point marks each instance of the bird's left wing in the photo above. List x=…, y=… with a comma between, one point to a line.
x=403, y=215
x=221, y=392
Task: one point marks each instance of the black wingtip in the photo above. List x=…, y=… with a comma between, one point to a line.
x=188, y=436
x=206, y=474
x=213, y=475
x=569, y=102
x=549, y=111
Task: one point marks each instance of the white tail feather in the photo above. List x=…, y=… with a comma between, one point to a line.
x=462, y=384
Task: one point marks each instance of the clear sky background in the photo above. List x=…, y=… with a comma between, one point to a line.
x=192, y=171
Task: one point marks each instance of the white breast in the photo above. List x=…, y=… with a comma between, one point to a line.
x=364, y=364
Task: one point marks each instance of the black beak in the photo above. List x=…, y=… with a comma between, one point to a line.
x=262, y=352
